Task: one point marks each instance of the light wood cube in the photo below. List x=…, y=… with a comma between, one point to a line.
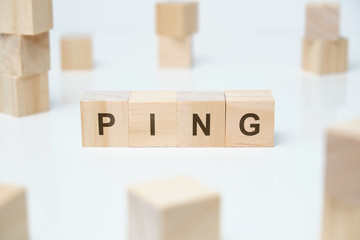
x=13, y=214
x=173, y=209
x=325, y=56
x=105, y=119
x=153, y=119
x=23, y=55
x=176, y=19
x=249, y=118
x=322, y=20
x=76, y=52
x=25, y=17
x=175, y=52
x=201, y=119
x=21, y=96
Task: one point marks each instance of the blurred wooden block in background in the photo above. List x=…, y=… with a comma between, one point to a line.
x=201, y=119
x=25, y=17
x=153, y=119
x=13, y=213
x=176, y=19
x=105, y=119
x=173, y=209
x=21, y=96
x=76, y=52
x=175, y=52
x=325, y=56
x=249, y=118
x=322, y=20
x=23, y=55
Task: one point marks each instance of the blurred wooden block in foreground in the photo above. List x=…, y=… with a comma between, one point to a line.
x=175, y=52
x=76, y=52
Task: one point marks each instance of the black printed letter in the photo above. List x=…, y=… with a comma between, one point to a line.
x=197, y=120
x=101, y=117
x=255, y=126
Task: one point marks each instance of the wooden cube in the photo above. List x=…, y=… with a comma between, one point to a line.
x=21, y=96
x=176, y=19
x=201, y=119
x=153, y=119
x=23, y=55
x=175, y=52
x=325, y=56
x=343, y=161
x=25, y=17
x=322, y=20
x=249, y=118
x=76, y=52
x=173, y=209
x=13, y=214
x=105, y=119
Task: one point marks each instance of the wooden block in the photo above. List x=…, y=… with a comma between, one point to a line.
x=201, y=119
x=249, y=118
x=76, y=52
x=23, y=55
x=176, y=19
x=153, y=119
x=325, y=56
x=25, y=17
x=343, y=161
x=175, y=52
x=13, y=214
x=21, y=96
x=322, y=20
x=173, y=209
x=104, y=119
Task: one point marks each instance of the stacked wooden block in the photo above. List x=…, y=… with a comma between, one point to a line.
x=341, y=218
x=324, y=50
x=176, y=22
x=24, y=56
x=184, y=119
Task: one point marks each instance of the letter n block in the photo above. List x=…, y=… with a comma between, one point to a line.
x=104, y=119
x=201, y=119
x=173, y=209
x=249, y=118
x=153, y=119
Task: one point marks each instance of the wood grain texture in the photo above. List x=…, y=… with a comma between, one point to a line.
x=173, y=209
x=26, y=17
x=76, y=52
x=239, y=103
x=175, y=52
x=322, y=20
x=325, y=56
x=176, y=19
x=201, y=103
x=13, y=213
x=23, y=55
x=22, y=96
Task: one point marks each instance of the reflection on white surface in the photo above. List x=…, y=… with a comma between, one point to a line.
x=74, y=84
x=174, y=79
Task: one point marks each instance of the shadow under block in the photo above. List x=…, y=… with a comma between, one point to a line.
x=201, y=119
x=23, y=55
x=25, y=17
x=322, y=20
x=21, y=96
x=325, y=56
x=76, y=52
x=249, y=118
x=104, y=119
x=153, y=119
x=343, y=162
x=176, y=19
x=13, y=213
x=173, y=209
x=175, y=52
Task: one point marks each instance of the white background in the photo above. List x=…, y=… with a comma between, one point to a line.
x=273, y=193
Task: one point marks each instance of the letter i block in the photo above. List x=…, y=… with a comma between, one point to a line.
x=153, y=119
x=201, y=119
x=104, y=119
x=173, y=209
x=13, y=215
x=249, y=118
